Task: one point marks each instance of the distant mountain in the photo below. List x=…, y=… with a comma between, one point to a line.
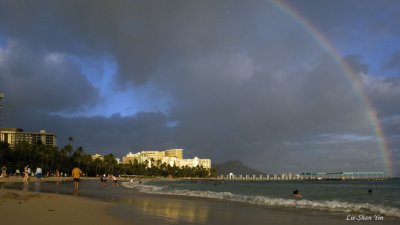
x=236, y=167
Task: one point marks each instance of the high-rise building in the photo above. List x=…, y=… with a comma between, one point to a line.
x=13, y=136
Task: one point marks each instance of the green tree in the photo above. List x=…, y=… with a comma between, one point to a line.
x=109, y=163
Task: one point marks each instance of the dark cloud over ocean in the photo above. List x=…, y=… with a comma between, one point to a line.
x=223, y=80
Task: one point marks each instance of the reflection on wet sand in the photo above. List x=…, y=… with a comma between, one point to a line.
x=175, y=211
x=76, y=192
x=25, y=187
x=36, y=187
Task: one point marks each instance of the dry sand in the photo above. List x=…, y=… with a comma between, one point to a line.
x=29, y=208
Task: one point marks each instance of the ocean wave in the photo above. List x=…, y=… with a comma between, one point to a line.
x=327, y=205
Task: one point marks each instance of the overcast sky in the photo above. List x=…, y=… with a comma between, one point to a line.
x=221, y=79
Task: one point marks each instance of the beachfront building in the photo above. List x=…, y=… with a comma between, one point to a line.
x=143, y=156
x=176, y=152
x=101, y=158
x=97, y=156
x=172, y=157
x=129, y=158
x=205, y=163
x=13, y=136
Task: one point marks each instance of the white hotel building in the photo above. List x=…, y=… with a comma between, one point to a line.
x=172, y=157
x=13, y=136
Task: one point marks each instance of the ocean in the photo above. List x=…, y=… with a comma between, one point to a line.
x=208, y=202
x=341, y=196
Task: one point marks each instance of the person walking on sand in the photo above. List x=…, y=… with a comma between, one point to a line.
x=39, y=173
x=26, y=174
x=4, y=171
x=76, y=174
x=58, y=176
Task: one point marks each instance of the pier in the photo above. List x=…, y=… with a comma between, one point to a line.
x=307, y=176
x=344, y=176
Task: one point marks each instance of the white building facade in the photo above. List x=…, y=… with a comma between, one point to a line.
x=172, y=157
x=13, y=136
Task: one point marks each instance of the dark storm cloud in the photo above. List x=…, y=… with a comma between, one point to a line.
x=394, y=62
x=384, y=93
x=144, y=131
x=42, y=81
x=146, y=35
x=256, y=117
x=246, y=81
x=357, y=14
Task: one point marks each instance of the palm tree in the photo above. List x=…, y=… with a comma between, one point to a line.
x=77, y=156
x=53, y=156
x=151, y=162
x=97, y=162
x=109, y=162
x=70, y=140
x=4, y=152
x=69, y=147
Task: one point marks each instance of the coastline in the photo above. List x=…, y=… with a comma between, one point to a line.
x=128, y=206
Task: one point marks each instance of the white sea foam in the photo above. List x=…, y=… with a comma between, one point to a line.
x=142, y=187
x=333, y=205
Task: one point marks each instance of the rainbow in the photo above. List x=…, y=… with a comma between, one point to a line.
x=351, y=75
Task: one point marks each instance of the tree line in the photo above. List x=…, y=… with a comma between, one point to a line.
x=51, y=159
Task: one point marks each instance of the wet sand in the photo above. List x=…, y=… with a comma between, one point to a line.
x=160, y=209
x=127, y=206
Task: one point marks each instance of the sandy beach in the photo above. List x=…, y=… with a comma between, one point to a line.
x=120, y=205
x=25, y=208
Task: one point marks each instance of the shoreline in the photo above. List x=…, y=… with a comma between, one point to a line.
x=197, y=210
x=134, y=207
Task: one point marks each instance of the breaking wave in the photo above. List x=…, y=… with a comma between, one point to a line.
x=332, y=205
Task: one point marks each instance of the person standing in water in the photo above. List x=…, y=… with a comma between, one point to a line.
x=115, y=180
x=76, y=174
x=26, y=174
x=4, y=171
x=39, y=173
x=296, y=194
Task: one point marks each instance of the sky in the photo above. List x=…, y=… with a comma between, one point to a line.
x=225, y=80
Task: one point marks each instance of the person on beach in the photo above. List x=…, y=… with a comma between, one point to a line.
x=115, y=181
x=39, y=173
x=26, y=173
x=58, y=179
x=76, y=174
x=4, y=171
x=103, y=180
x=296, y=194
x=17, y=172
